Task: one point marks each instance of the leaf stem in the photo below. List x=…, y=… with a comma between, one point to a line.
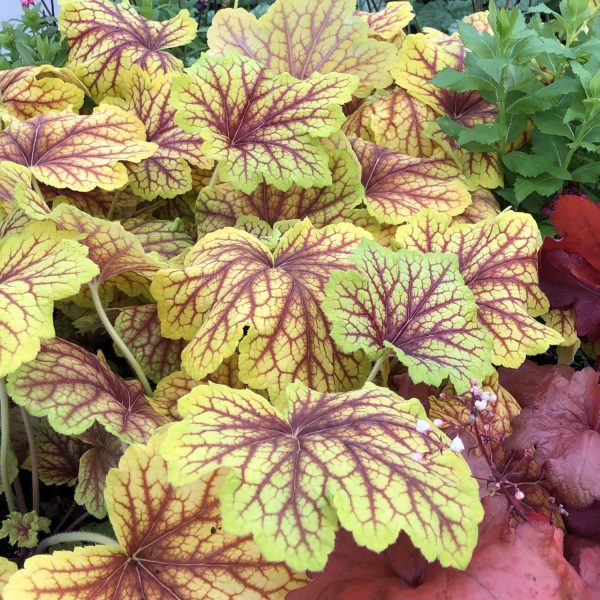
x=35, y=482
x=133, y=363
x=376, y=368
x=5, y=446
x=113, y=204
x=36, y=187
x=214, y=177
x=75, y=536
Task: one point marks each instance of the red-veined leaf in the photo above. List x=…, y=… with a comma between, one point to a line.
x=347, y=456
x=170, y=545
x=75, y=389
x=107, y=39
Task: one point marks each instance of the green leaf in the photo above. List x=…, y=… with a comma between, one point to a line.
x=531, y=165
x=589, y=173
x=544, y=185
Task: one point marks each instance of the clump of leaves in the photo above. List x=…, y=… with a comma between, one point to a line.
x=252, y=302
x=541, y=75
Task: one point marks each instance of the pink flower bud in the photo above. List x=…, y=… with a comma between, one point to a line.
x=438, y=422
x=519, y=495
x=423, y=426
x=417, y=456
x=27, y=3
x=488, y=397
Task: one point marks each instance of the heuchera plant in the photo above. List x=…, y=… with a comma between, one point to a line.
x=264, y=324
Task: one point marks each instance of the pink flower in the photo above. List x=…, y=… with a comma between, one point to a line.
x=27, y=3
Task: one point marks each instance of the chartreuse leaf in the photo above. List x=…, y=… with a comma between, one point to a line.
x=416, y=306
x=37, y=267
x=77, y=151
x=170, y=545
x=102, y=453
x=139, y=328
x=75, y=389
x=7, y=570
x=116, y=251
x=327, y=457
x=398, y=186
x=167, y=238
x=22, y=530
x=17, y=194
x=178, y=384
x=498, y=261
x=221, y=205
x=231, y=281
x=167, y=173
x=258, y=125
x=314, y=36
x=396, y=121
x=29, y=91
x=483, y=205
x=388, y=24
x=107, y=39
x=83, y=460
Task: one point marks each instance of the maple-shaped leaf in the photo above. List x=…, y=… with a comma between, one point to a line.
x=395, y=121
x=570, y=266
x=498, y=261
x=167, y=238
x=414, y=305
x=102, y=453
x=22, y=530
x=170, y=545
x=315, y=36
x=83, y=460
x=167, y=173
x=420, y=59
x=563, y=425
x=222, y=205
x=178, y=384
x=106, y=40
x=347, y=456
x=139, y=328
x=480, y=21
x=7, y=569
x=37, y=267
x=58, y=456
x=17, y=195
x=388, y=24
x=570, y=281
x=77, y=151
x=398, y=186
x=525, y=563
x=231, y=281
x=29, y=91
x=483, y=206
x=97, y=202
x=116, y=251
x=75, y=389
x=258, y=125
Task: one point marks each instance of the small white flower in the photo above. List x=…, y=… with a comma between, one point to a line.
x=417, y=456
x=423, y=426
x=457, y=445
x=519, y=495
x=475, y=390
x=488, y=397
x=438, y=422
x=480, y=404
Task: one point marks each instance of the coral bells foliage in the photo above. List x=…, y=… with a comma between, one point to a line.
x=252, y=307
